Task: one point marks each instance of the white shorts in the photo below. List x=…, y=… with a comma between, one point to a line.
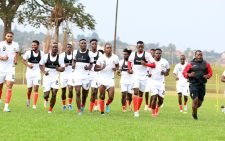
x=66, y=80
x=126, y=88
x=33, y=80
x=84, y=82
x=50, y=82
x=94, y=83
x=183, y=88
x=141, y=84
x=148, y=83
x=7, y=76
x=107, y=83
x=157, y=88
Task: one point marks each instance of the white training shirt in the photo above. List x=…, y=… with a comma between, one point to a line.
x=107, y=72
x=93, y=73
x=162, y=64
x=35, y=71
x=52, y=72
x=178, y=70
x=68, y=69
x=140, y=71
x=125, y=78
x=79, y=71
x=10, y=51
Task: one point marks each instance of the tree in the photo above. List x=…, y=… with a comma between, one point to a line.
x=8, y=9
x=54, y=13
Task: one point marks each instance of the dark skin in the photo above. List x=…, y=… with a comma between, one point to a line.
x=125, y=95
x=69, y=50
x=9, y=39
x=102, y=88
x=83, y=48
x=156, y=98
x=94, y=91
x=147, y=93
x=35, y=48
x=59, y=69
x=182, y=61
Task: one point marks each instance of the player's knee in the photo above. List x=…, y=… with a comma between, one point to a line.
x=102, y=97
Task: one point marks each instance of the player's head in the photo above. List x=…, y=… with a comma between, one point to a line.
x=158, y=53
x=198, y=55
x=35, y=45
x=54, y=48
x=152, y=51
x=69, y=48
x=108, y=49
x=83, y=44
x=140, y=46
x=182, y=59
x=94, y=44
x=126, y=53
x=9, y=37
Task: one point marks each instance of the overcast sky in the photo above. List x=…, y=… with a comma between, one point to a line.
x=198, y=24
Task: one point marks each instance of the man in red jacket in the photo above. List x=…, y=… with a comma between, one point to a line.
x=197, y=71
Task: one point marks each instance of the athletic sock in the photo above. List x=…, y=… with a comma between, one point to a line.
x=0, y=94
x=124, y=107
x=50, y=108
x=35, y=98
x=139, y=102
x=102, y=105
x=135, y=102
x=64, y=102
x=8, y=95
x=181, y=107
x=70, y=101
x=96, y=102
x=108, y=101
x=91, y=106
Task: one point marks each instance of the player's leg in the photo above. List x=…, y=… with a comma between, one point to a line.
x=123, y=100
x=53, y=99
x=153, y=106
x=2, y=80
x=63, y=97
x=142, y=88
x=36, y=87
x=110, y=91
x=1, y=87
x=160, y=98
x=146, y=100
x=180, y=101
x=102, y=98
x=70, y=97
x=85, y=90
x=78, y=98
x=92, y=98
x=46, y=97
x=194, y=93
x=29, y=89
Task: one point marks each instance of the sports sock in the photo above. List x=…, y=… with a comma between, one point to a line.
x=91, y=106
x=64, y=102
x=70, y=101
x=135, y=102
x=35, y=98
x=108, y=101
x=8, y=96
x=139, y=102
x=102, y=105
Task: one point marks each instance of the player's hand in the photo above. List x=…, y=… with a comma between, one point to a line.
x=163, y=72
x=114, y=69
x=30, y=66
x=177, y=78
x=149, y=75
x=192, y=74
x=130, y=71
x=118, y=72
x=66, y=65
x=206, y=76
x=5, y=58
x=46, y=73
x=86, y=67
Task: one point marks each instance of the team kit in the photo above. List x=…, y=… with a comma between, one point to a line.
x=142, y=76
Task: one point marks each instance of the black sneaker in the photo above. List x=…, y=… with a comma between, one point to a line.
x=195, y=116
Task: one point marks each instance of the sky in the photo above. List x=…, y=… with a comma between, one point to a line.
x=197, y=24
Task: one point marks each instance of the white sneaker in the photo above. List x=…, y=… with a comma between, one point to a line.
x=45, y=104
x=150, y=109
x=49, y=112
x=223, y=110
x=181, y=111
x=95, y=108
x=28, y=103
x=185, y=108
x=6, y=109
x=136, y=114
x=146, y=107
x=34, y=107
x=162, y=106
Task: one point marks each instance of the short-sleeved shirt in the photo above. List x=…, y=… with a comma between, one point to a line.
x=140, y=71
x=35, y=70
x=52, y=72
x=10, y=50
x=63, y=56
x=162, y=64
x=126, y=78
x=178, y=70
x=107, y=72
x=80, y=72
x=96, y=55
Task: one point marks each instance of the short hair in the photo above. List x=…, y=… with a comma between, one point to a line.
x=36, y=41
x=10, y=32
x=92, y=40
x=108, y=44
x=152, y=49
x=158, y=49
x=70, y=45
x=127, y=50
x=140, y=42
x=54, y=44
x=197, y=51
x=82, y=40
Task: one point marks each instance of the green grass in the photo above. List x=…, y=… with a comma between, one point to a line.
x=26, y=124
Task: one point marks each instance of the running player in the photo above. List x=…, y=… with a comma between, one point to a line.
x=181, y=83
x=83, y=61
x=51, y=64
x=8, y=59
x=126, y=82
x=148, y=105
x=107, y=64
x=157, y=81
x=139, y=70
x=65, y=77
x=31, y=59
x=94, y=76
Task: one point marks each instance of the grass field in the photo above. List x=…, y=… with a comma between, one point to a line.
x=26, y=124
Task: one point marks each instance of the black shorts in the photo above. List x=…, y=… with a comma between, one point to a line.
x=197, y=91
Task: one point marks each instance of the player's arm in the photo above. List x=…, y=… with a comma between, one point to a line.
x=175, y=73
x=24, y=60
x=88, y=67
x=42, y=68
x=186, y=71
x=61, y=66
x=16, y=58
x=60, y=69
x=209, y=71
x=223, y=78
x=4, y=58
